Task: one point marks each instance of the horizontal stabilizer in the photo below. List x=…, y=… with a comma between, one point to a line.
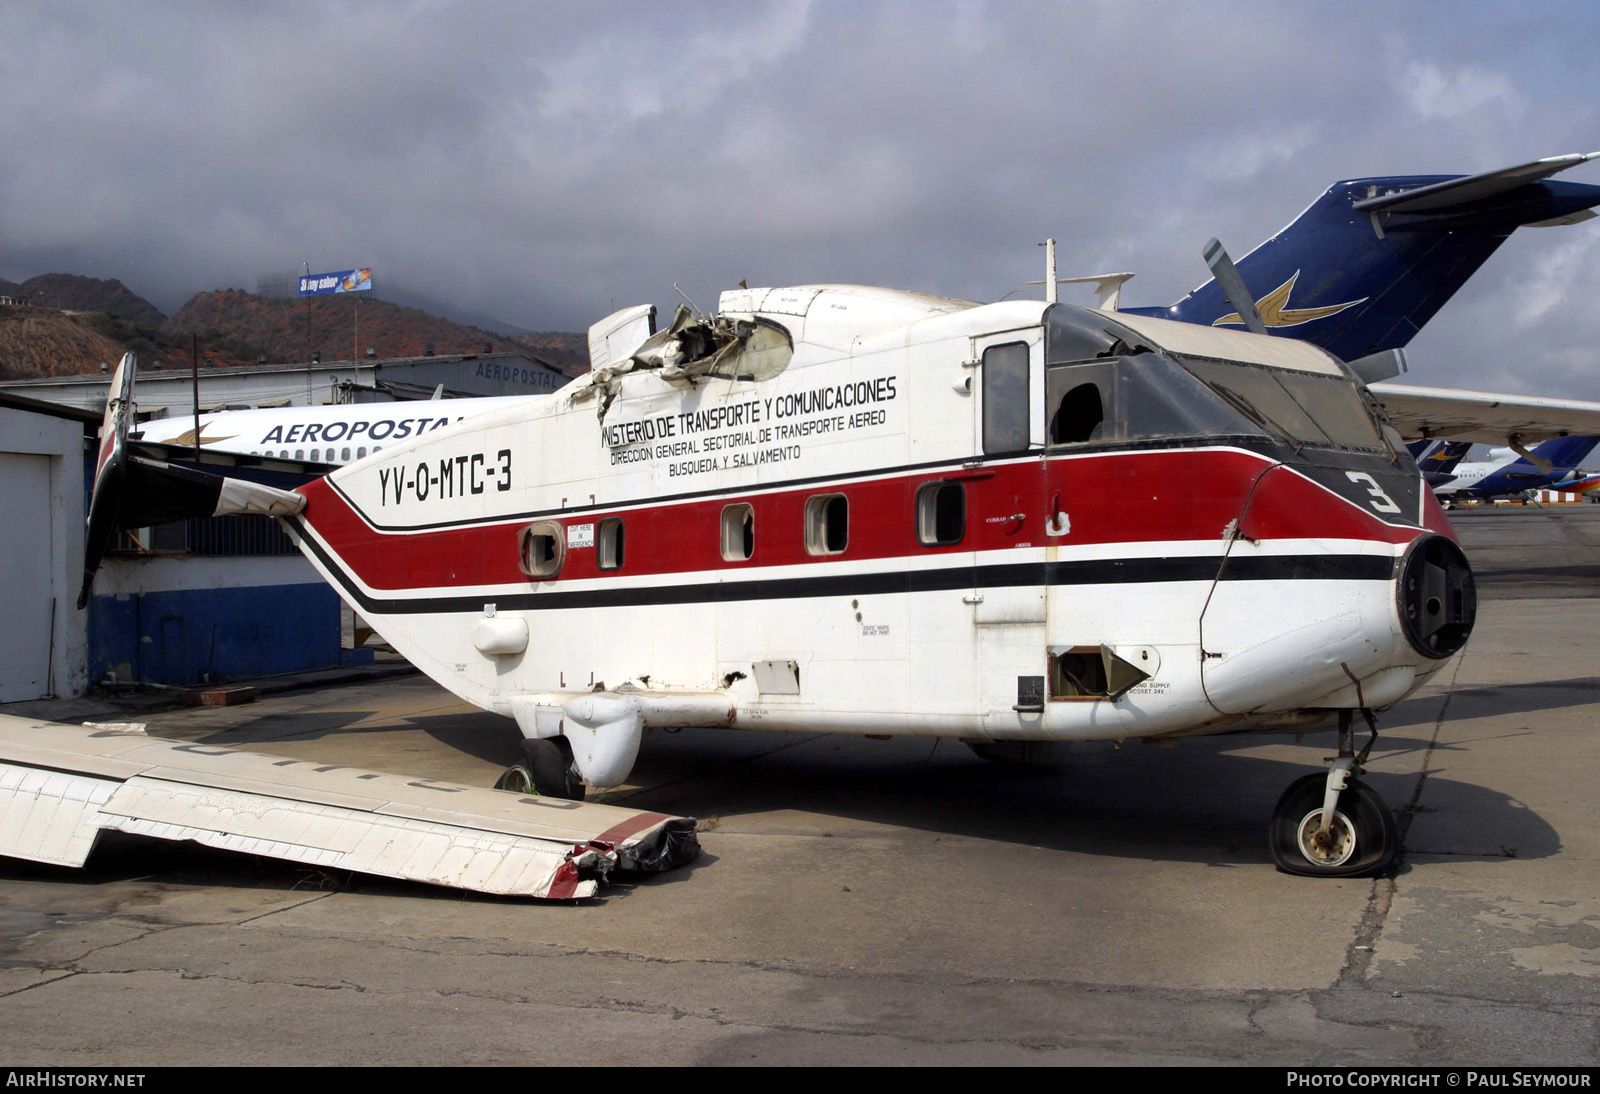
x=138, y=491
x=61, y=786
x=135, y=488
x=241, y=497
x=1470, y=188
x=1107, y=287
x=1563, y=221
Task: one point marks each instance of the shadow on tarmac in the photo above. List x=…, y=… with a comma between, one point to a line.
x=1197, y=802
x=1194, y=803
x=478, y=734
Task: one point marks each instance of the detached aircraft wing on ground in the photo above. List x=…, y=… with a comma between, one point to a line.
x=62, y=786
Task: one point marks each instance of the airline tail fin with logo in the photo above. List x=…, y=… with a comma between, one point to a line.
x=1371, y=260
x=1437, y=459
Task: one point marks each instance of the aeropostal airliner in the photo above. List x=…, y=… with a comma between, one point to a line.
x=318, y=434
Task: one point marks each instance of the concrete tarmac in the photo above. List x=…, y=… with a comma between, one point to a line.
x=897, y=901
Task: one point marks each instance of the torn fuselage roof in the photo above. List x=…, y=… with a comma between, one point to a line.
x=60, y=786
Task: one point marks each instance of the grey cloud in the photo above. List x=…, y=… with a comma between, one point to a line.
x=547, y=164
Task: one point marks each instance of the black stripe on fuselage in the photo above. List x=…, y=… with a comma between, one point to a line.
x=1110, y=571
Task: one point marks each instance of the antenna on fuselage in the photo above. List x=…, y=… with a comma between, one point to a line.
x=1232, y=286
x=1107, y=287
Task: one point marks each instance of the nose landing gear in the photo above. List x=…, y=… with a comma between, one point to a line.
x=1334, y=825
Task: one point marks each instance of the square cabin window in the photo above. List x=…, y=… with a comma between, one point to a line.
x=827, y=524
x=541, y=547
x=608, y=544
x=941, y=514
x=738, y=532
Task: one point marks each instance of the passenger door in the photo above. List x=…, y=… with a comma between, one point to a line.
x=1005, y=518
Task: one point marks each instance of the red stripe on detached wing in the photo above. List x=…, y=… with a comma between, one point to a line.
x=564, y=884
x=630, y=827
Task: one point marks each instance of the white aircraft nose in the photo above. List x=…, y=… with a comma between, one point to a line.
x=1281, y=645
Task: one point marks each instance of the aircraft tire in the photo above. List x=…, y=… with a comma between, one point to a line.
x=551, y=771
x=1365, y=837
x=517, y=779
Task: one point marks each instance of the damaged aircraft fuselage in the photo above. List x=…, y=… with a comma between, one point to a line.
x=856, y=510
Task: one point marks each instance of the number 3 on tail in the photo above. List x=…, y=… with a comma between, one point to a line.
x=1382, y=502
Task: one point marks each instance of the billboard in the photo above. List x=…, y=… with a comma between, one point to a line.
x=338, y=281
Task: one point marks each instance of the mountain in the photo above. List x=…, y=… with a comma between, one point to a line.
x=73, y=324
x=237, y=323
x=46, y=342
x=71, y=292
x=567, y=349
x=456, y=313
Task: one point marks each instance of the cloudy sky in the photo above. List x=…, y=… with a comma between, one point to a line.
x=545, y=164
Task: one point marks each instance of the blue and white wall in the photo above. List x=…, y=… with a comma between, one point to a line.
x=190, y=619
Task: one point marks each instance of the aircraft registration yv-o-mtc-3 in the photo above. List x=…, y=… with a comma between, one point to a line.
x=858, y=510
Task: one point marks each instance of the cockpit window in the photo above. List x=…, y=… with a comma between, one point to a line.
x=1105, y=382
x=1134, y=398
x=1303, y=407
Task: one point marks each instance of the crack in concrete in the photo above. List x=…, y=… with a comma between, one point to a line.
x=1363, y=946
x=1362, y=950
x=286, y=908
x=66, y=974
x=147, y=928
x=1359, y=954
x=1253, y=1003
x=1353, y=978
x=1412, y=807
x=1202, y=1044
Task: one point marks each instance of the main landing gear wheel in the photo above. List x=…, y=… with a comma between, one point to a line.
x=517, y=779
x=1361, y=841
x=545, y=770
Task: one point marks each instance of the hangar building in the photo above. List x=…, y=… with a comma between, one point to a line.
x=199, y=600
x=163, y=392
x=186, y=603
